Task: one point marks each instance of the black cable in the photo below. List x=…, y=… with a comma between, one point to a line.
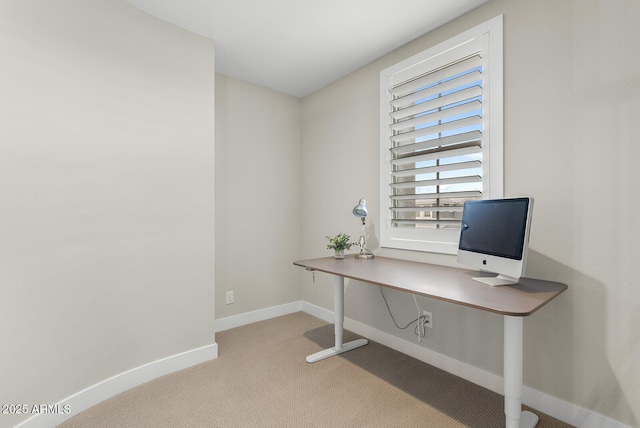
x=394, y=320
x=367, y=251
x=421, y=319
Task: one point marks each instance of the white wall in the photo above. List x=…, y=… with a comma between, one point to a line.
x=258, y=193
x=106, y=184
x=106, y=177
x=572, y=97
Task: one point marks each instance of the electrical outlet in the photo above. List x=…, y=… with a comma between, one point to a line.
x=229, y=296
x=428, y=319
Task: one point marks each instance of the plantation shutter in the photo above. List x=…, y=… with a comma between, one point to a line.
x=436, y=145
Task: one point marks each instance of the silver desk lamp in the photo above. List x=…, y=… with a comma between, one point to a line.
x=360, y=211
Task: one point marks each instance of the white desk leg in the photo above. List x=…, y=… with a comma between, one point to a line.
x=338, y=320
x=516, y=418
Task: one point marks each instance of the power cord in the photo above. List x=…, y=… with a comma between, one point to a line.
x=421, y=321
x=420, y=326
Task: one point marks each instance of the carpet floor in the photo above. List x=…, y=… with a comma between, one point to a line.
x=261, y=379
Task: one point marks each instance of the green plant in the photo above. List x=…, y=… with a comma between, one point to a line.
x=339, y=242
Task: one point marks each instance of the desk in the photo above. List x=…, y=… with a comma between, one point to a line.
x=451, y=285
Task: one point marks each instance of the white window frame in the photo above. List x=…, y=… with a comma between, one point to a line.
x=486, y=38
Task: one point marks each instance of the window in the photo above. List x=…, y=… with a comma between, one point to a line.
x=441, y=138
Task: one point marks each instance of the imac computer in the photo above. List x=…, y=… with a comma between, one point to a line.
x=494, y=237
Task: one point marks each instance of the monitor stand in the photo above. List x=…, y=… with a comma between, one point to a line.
x=496, y=281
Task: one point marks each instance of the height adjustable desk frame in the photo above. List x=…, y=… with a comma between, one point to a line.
x=451, y=285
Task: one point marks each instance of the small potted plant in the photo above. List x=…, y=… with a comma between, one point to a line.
x=339, y=243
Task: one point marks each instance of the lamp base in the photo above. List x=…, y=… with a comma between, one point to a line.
x=364, y=256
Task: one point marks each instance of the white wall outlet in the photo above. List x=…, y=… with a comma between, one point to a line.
x=427, y=319
x=229, y=297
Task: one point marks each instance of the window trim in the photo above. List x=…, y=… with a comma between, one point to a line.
x=488, y=36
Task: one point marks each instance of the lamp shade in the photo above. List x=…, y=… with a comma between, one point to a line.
x=360, y=210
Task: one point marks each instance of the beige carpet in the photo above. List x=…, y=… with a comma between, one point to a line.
x=261, y=379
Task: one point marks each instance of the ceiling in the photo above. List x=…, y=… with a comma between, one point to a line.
x=299, y=46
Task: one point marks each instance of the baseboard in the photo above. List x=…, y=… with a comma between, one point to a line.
x=567, y=412
x=101, y=391
x=559, y=409
x=473, y=374
x=552, y=406
x=227, y=323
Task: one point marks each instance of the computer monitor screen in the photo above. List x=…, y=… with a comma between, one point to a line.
x=494, y=237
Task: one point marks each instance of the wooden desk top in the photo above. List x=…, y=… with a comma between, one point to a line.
x=442, y=283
